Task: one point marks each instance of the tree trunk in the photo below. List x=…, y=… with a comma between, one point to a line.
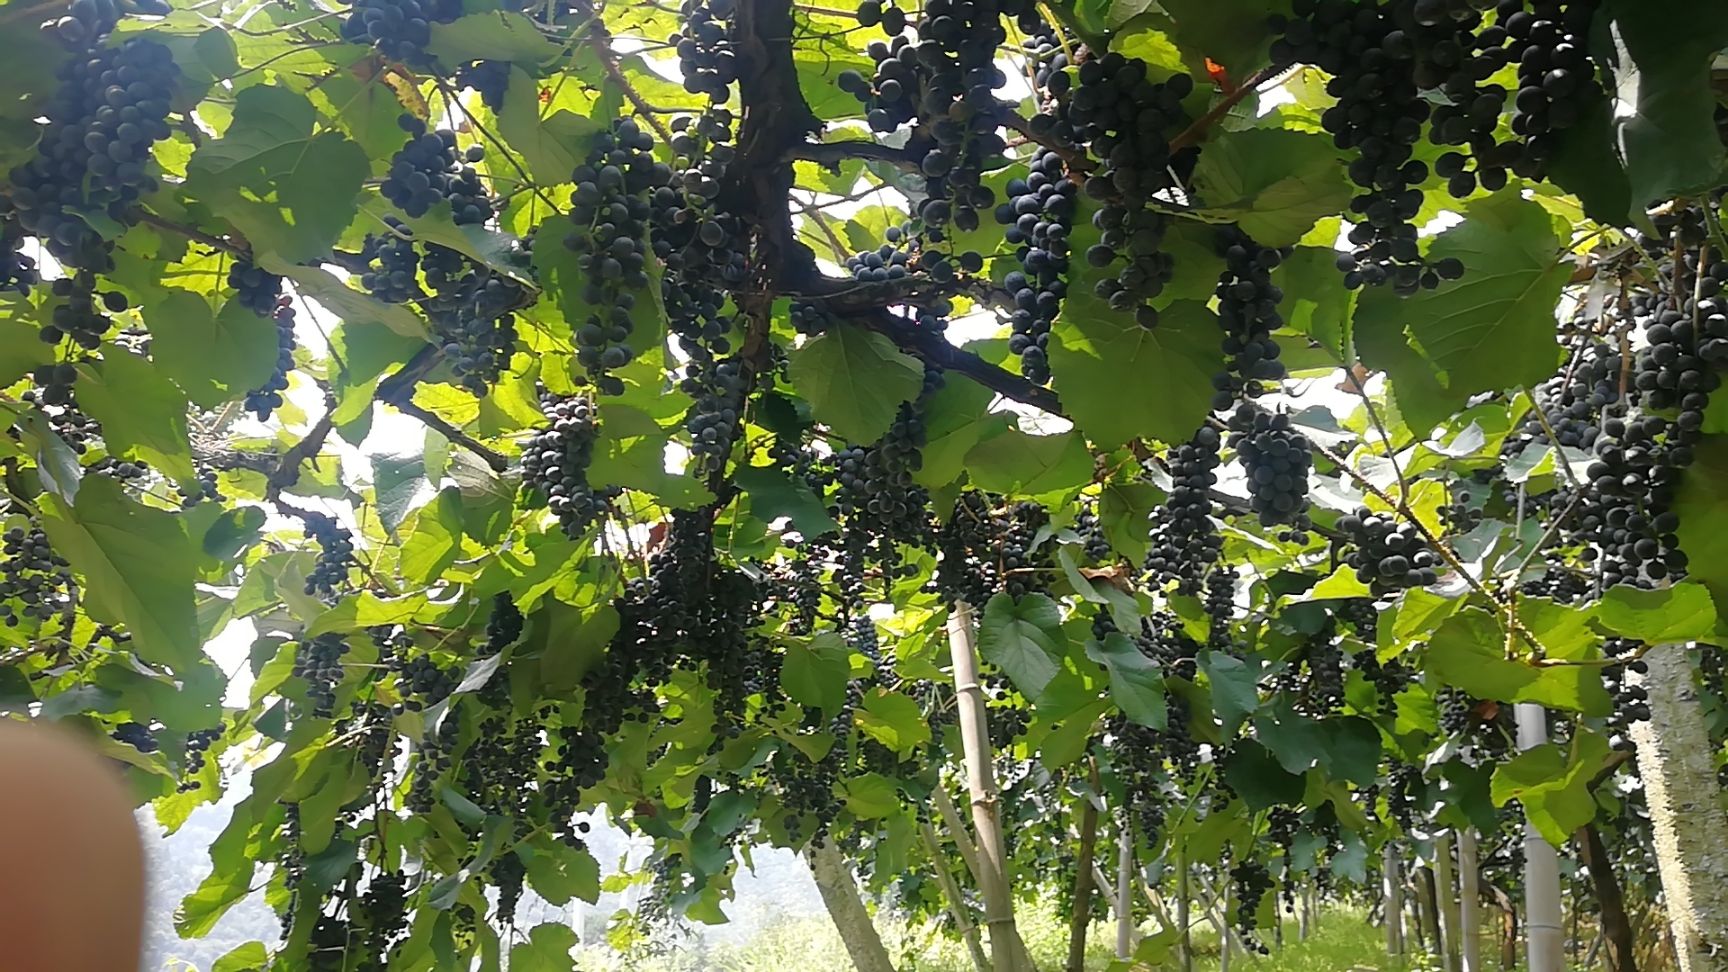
x=1184, y=942
x=1543, y=930
x=1675, y=761
x=956, y=901
x=840, y=896
x=1124, y=887
x=1392, y=878
x=1082, y=916
x=1616, y=926
x=1007, y=953
x=1469, y=904
x=1445, y=901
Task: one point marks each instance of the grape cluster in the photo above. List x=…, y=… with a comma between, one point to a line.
x=1252, y=881
x=266, y=398
x=1185, y=538
x=399, y=29
x=1275, y=460
x=810, y=319
x=1127, y=121
x=137, y=735
x=877, y=496
x=1556, y=76
x=1094, y=541
x=968, y=569
x=35, y=582
x=393, y=274
x=706, y=58
x=472, y=314
x=1248, y=313
x=109, y=109
x=255, y=288
x=428, y=169
x=1387, y=555
x=384, y=911
x=1220, y=607
x=713, y=422
x=556, y=460
x=610, y=209
x=1686, y=339
x=1025, y=556
x=1039, y=214
x=18, y=271
x=1324, y=688
x=319, y=662
x=335, y=555
x=77, y=315
x=1627, y=513
x=489, y=79
x=54, y=387
x=197, y=751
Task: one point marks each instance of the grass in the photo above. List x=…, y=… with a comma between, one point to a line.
x=1344, y=942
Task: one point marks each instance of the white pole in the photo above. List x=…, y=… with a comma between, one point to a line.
x=1543, y=923
x=1444, y=901
x=1124, y=887
x=1691, y=831
x=1393, y=884
x=1469, y=922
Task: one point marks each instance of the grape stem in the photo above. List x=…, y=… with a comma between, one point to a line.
x=1357, y=386
x=831, y=154
x=1506, y=607
x=1188, y=136
x=650, y=114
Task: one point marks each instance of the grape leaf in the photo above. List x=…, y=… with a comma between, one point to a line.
x=1120, y=381
x=1023, y=638
x=143, y=415
x=138, y=566
x=1275, y=183
x=855, y=381
x=214, y=358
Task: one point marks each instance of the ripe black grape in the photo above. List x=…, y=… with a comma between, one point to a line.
x=1185, y=539
x=109, y=109
x=1038, y=214
x=555, y=462
x=1275, y=460
x=490, y=79
x=319, y=662
x=266, y=398
x=1248, y=313
x=35, y=582
x=610, y=209
x=1388, y=556
x=399, y=29
x=256, y=289
x=78, y=315
x=428, y=168
x=335, y=555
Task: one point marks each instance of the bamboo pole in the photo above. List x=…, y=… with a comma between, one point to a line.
x=1007, y=952
x=956, y=901
x=1544, y=934
x=1445, y=902
x=1082, y=910
x=1469, y=904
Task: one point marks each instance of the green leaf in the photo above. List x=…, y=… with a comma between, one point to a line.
x=1123, y=511
x=1553, y=785
x=1136, y=684
x=436, y=539
x=291, y=192
x=21, y=350
x=1235, y=687
x=773, y=494
x=1275, y=183
x=1684, y=612
x=1018, y=464
x=352, y=306
x=1120, y=381
x=1704, y=517
x=1468, y=650
x=1494, y=328
x=563, y=308
x=550, y=146
x=492, y=35
x=1024, y=638
x=815, y=673
x=855, y=381
x=396, y=483
x=956, y=417
x=871, y=796
x=893, y=720
x=571, y=641
x=548, y=949
x=250, y=957
x=1659, y=56
x=143, y=415
x=232, y=532
x=214, y=358
x=1315, y=303
x=138, y=568
x=1255, y=773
